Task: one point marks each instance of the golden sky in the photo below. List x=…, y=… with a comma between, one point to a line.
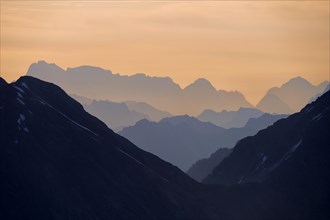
x=247, y=46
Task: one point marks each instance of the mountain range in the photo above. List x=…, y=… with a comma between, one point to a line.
x=183, y=140
x=60, y=162
x=161, y=92
x=120, y=115
x=229, y=119
x=290, y=97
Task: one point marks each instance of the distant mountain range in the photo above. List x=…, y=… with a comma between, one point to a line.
x=290, y=97
x=229, y=119
x=161, y=92
x=183, y=140
x=115, y=115
x=120, y=115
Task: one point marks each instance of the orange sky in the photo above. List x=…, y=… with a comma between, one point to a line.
x=247, y=46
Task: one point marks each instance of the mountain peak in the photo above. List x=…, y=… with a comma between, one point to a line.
x=201, y=83
x=273, y=104
x=2, y=82
x=42, y=67
x=179, y=119
x=298, y=81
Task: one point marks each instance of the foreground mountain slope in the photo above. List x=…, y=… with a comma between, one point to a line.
x=293, y=148
x=59, y=162
x=283, y=171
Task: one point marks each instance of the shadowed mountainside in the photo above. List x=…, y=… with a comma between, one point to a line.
x=297, y=146
x=59, y=162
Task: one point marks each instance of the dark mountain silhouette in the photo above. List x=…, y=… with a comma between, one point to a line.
x=183, y=140
x=2, y=82
x=296, y=148
x=283, y=171
x=204, y=167
x=290, y=97
x=115, y=115
x=160, y=92
x=229, y=119
x=59, y=162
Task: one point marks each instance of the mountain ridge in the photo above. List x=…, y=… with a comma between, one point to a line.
x=161, y=92
x=183, y=140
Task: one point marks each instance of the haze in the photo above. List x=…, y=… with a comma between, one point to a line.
x=247, y=46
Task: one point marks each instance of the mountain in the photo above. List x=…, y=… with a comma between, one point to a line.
x=294, y=150
x=180, y=142
x=273, y=104
x=290, y=97
x=229, y=119
x=115, y=115
x=204, y=167
x=183, y=140
x=3, y=83
x=283, y=171
x=153, y=113
x=327, y=88
x=160, y=92
x=82, y=100
x=60, y=162
x=264, y=121
x=119, y=115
